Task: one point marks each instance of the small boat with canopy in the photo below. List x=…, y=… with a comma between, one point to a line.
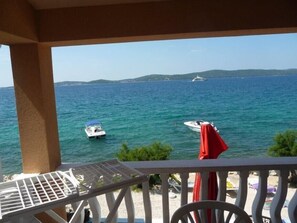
x=93, y=129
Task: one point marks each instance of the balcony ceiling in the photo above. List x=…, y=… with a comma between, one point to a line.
x=54, y=4
x=79, y=22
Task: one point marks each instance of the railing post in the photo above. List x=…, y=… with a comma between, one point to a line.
x=95, y=209
x=279, y=197
x=130, y=206
x=258, y=203
x=204, y=185
x=110, y=203
x=292, y=208
x=222, y=185
x=242, y=189
x=184, y=188
x=165, y=200
x=75, y=207
x=147, y=202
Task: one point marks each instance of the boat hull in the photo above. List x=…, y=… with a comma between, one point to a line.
x=94, y=132
x=196, y=125
x=199, y=79
x=193, y=126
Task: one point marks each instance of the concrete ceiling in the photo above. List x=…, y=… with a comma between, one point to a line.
x=78, y=22
x=54, y=4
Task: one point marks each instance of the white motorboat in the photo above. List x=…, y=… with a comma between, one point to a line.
x=198, y=78
x=94, y=129
x=196, y=125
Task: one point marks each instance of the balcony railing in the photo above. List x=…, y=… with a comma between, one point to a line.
x=261, y=166
x=283, y=203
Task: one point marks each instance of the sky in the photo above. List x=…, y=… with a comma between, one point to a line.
x=130, y=60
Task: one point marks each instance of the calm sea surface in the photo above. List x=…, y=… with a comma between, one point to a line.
x=248, y=112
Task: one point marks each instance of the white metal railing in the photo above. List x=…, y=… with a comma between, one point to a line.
x=186, y=168
x=243, y=167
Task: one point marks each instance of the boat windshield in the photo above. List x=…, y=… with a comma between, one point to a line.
x=93, y=122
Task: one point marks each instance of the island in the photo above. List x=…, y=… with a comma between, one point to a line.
x=190, y=76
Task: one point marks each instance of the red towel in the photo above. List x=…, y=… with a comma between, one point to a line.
x=211, y=146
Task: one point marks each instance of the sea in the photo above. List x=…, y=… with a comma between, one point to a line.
x=248, y=111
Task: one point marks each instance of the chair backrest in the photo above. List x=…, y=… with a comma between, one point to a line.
x=217, y=211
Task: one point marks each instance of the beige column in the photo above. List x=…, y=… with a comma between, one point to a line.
x=36, y=108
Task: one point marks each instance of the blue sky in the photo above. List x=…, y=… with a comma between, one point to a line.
x=130, y=60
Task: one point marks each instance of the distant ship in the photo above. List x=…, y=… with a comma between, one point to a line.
x=198, y=78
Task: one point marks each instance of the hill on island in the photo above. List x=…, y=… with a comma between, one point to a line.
x=190, y=76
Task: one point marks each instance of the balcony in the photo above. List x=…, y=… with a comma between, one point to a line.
x=158, y=206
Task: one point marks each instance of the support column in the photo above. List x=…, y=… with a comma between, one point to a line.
x=36, y=108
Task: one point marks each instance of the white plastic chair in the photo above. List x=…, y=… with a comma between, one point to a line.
x=219, y=211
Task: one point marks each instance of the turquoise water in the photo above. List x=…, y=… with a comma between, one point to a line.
x=247, y=111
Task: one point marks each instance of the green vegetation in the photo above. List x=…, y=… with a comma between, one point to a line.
x=155, y=151
x=285, y=146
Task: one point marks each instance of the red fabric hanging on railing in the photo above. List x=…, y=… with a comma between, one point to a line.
x=211, y=146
